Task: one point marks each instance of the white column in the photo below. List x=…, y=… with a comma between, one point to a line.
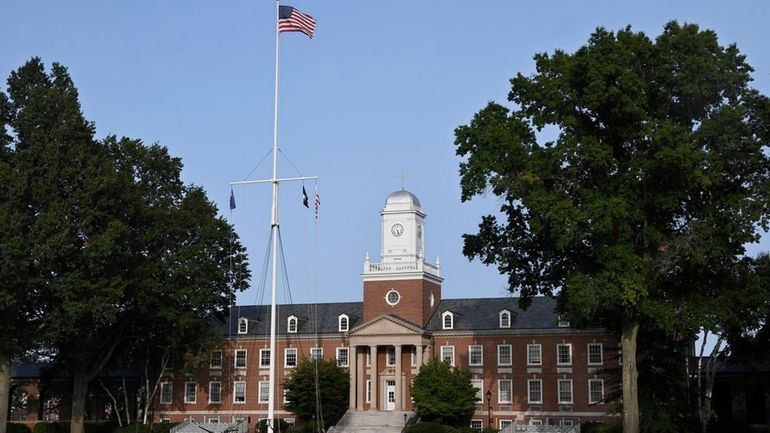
x=361, y=375
x=399, y=399
x=353, y=371
x=418, y=349
x=373, y=377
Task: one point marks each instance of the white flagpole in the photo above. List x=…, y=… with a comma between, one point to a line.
x=274, y=233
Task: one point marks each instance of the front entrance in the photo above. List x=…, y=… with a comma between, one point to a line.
x=390, y=395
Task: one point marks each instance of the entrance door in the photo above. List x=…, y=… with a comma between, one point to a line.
x=390, y=395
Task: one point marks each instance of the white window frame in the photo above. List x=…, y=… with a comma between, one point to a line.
x=286, y=396
x=504, y=319
x=478, y=384
x=447, y=320
x=316, y=353
x=165, y=420
x=262, y=359
x=448, y=350
x=243, y=325
x=212, y=420
x=510, y=354
x=390, y=356
x=346, y=359
x=558, y=353
x=187, y=398
x=245, y=358
x=236, y=399
x=368, y=391
x=286, y=353
x=292, y=324
x=219, y=392
x=216, y=355
x=561, y=322
x=566, y=423
x=559, y=391
x=501, y=393
x=170, y=394
x=601, y=353
x=480, y=354
x=533, y=421
x=263, y=392
x=291, y=422
x=343, y=323
x=413, y=352
x=530, y=348
x=479, y=424
x=505, y=423
x=591, y=400
x=530, y=383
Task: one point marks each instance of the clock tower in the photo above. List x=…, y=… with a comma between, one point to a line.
x=403, y=283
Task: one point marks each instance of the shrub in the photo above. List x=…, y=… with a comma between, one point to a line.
x=600, y=427
x=427, y=427
x=14, y=427
x=51, y=427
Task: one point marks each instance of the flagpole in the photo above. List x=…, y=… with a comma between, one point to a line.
x=274, y=234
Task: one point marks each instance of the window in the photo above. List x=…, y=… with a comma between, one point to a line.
x=316, y=353
x=392, y=297
x=413, y=352
x=165, y=392
x=503, y=354
x=216, y=360
x=390, y=357
x=343, y=322
x=290, y=357
x=215, y=392
x=264, y=391
x=368, y=391
x=505, y=423
x=504, y=391
x=239, y=392
x=264, y=358
x=535, y=390
x=189, y=392
x=564, y=354
x=165, y=420
x=475, y=355
x=291, y=326
x=595, y=391
x=286, y=396
x=505, y=319
x=342, y=357
x=535, y=422
x=534, y=354
x=565, y=391
x=290, y=422
x=243, y=325
x=566, y=423
x=476, y=424
x=240, y=358
x=479, y=385
x=448, y=354
x=595, y=354
x=447, y=320
x=214, y=420
x=562, y=322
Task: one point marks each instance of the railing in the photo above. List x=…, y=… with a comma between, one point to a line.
x=414, y=266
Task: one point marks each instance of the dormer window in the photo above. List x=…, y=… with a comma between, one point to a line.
x=447, y=320
x=561, y=322
x=291, y=326
x=343, y=322
x=243, y=325
x=505, y=319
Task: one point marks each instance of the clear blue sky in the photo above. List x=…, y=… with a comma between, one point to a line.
x=378, y=91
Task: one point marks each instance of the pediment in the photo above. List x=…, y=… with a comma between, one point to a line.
x=386, y=325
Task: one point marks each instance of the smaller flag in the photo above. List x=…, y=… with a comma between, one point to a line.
x=304, y=197
x=292, y=20
x=232, y=199
x=317, y=202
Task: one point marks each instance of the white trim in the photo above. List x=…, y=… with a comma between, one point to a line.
x=558, y=391
x=292, y=324
x=507, y=314
x=243, y=325
x=539, y=354
x=213, y=366
x=451, y=350
x=510, y=354
x=500, y=390
x=601, y=353
x=481, y=355
x=601, y=385
x=286, y=352
x=340, y=319
x=347, y=356
x=529, y=391
x=558, y=357
x=187, y=398
x=245, y=358
x=262, y=358
x=235, y=391
x=220, y=392
x=479, y=397
x=170, y=392
x=263, y=392
x=319, y=350
x=392, y=302
x=447, y=320
x=368, y=391
x=390, y=356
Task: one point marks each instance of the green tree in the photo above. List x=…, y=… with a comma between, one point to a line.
x=317, y=391
x=117, y=248
x=656, y=179
x=444, y=394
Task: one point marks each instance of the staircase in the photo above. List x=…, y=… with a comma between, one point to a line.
x=371, y=422
x=191, y=427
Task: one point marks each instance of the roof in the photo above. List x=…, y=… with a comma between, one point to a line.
x=311, y=318
x=402, y=197
x=483, y=314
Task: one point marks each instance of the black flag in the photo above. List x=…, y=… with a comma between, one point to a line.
x=304, y=197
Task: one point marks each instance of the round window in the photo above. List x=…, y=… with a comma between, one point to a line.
x=392, y=297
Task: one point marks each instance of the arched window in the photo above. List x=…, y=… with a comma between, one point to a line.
x=291, y=326
x=243, y=325
x=505, y=319
x=344, y=322
x=447, y=320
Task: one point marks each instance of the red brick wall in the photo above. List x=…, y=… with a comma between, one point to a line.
x=414, y=305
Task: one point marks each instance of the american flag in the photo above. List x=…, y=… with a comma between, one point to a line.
x=292, y=20
x=317, y=202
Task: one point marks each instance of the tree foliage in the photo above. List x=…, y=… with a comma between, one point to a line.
x=656, y=179
x=317, y=390
x=444, y=394
x=111, y=244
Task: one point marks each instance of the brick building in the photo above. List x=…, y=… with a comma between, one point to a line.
x=528, y=365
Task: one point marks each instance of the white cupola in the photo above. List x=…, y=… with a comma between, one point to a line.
x=403, y=237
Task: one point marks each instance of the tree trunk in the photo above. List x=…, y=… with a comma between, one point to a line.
x=630, y=375
x=79, y=392
x=5, y=389
x=114, y=403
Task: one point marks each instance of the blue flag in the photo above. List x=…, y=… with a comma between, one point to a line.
x=232, y=199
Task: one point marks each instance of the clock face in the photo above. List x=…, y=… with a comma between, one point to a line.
x=397, y=230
